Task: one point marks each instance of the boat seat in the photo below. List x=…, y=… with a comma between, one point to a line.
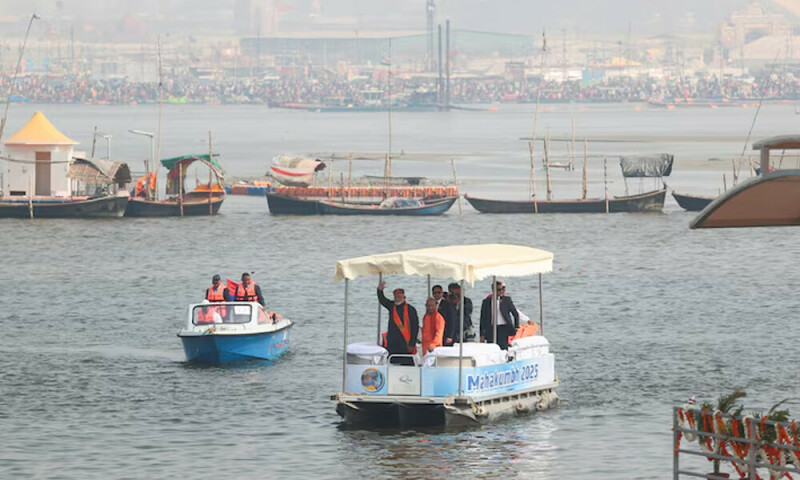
x=529, y=347
x=365, y=353
x=475, y=355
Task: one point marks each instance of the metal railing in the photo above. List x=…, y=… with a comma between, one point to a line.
x=758, y=444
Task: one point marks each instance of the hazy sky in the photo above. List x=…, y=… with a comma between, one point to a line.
x=607, y=17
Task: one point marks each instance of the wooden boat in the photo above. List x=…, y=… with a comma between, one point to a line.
x=692, y=203
x=194, y=204
x=768, y=200
x=204, y=200
x=288, y=205
x=390, y=206
x=645, y=202
x=105, y=206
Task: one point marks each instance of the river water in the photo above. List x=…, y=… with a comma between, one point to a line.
x=642, y=312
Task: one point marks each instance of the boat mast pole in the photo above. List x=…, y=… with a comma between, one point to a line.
x=11, y=91
x=605, y=179
x=461, y=335
x=380, y=307
x=541, y=307
x=16, y=73
x=585, y=157
x=344, y=351
x=389, y=111
x=531, y=146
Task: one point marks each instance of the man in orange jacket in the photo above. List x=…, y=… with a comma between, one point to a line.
x=433, y=325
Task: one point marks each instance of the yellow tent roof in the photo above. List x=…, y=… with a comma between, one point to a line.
x=39, y=131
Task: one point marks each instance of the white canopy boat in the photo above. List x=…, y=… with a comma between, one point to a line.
x=463, y=384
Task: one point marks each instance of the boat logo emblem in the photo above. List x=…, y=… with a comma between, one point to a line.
x=372, y=380
x=405, y=379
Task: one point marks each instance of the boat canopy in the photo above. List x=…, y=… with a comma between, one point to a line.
x=98, y=171
x=780, y=142
x=460, y=262
x=646, y=165
x=186, y=160
x=301, y=163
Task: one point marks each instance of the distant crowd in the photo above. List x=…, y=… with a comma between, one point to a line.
x=330, y=89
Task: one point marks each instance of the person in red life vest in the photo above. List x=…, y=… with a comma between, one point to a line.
x=401, y=334
x=218, y=292
x=249, y=291
x=432, y=327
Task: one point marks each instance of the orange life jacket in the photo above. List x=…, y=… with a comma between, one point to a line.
x=206, y=315
x=246, y=294
x=527, y=330
x=142, y=184
x=216, y=295
x=405, y=327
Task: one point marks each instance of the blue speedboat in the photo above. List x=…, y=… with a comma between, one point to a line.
x=233, y=332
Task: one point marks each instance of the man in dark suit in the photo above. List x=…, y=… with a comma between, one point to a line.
x=401, y=333
x=455, y=298
x=507, y=318
x=447, y=311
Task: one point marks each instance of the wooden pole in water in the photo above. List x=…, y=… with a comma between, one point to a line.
x=94, y=141
x=180, y=187
x=605, y=179
x=547, y=163
x=572, y=153
x=585, y=157
x=533, y=180
x=455, y=179
x=330, y=179
x=350, y=175
x=30, y=194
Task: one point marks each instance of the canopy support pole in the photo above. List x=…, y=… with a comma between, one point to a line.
x=494, y=308
x=541, y=309
x=429, y=287
x=344, y=351
x=461, y=336
x=380, y=307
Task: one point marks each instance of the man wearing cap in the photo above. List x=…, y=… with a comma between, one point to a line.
x=217, y=292
x=507, y=318
x=403, y=328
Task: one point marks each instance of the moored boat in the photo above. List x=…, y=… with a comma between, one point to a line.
x=645, y=202
x=289, y=205
x=45, y=178
x=206, y=199
x=390, y=206
x=233, y=332
x=692, y=203
x=463, y=384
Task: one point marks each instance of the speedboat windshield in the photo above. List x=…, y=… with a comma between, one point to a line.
x=221, y=313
